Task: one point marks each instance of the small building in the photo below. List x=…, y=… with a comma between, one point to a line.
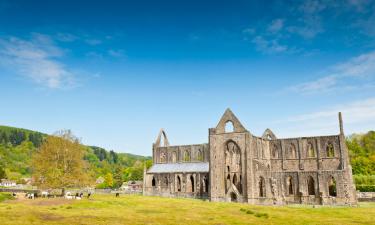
x=132, y=186
x=100, y=180
x=8, y=183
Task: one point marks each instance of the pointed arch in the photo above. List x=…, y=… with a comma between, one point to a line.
x=310, y=150
x=330, y=150
x=311, y=185
x=292, y=151
x=178, y=184
x=275, y=151
x=228, y=116
x=269, y=135
x=163, y=157
x=290, y=185
x=174, y=157
x=187, y=157
x=262, y=187
x=162, y=136
x=332, y=187
x=192, y=184
x=229, y=127
x=153, y=182
x=199, y=155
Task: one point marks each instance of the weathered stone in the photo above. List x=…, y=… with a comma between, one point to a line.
x=257, y=170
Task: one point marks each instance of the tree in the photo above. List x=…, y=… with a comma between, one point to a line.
x=3, y=174
x=117, y=177
x=108, y=180
x=59, y=162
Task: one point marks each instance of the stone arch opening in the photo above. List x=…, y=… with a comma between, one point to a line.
x=311, y=185
x=165, y=181
x=290, y=185
x=178, y=184
x=153, y=183
x=275, y=152
x=292, y=154
x=233, y=197
x=192, y=187
x=332, y=187
x=187, y=156
x=229, y=127
x=310, y=150
x=234, y=180
x=206, y=184
x=199, y=155
x=330, y=150
x=262, y=187
x=163, y=157
x=174, y=157
x=228, y=182
x=232, y=164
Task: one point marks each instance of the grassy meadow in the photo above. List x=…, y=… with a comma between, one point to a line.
x=106, y=209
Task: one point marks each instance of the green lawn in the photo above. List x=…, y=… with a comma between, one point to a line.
x=106, y=209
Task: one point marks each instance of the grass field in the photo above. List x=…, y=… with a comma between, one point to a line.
x=106, y=209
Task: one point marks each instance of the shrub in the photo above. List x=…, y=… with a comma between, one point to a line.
x=365, y=188
x=5, y=196
x=264, y=215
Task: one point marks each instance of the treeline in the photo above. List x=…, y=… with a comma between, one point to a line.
x=16, y=136
x=18, y=145
x=362, y=157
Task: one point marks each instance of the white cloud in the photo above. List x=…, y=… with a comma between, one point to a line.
x=276, y=25
x=93, y=41
x=358, y=116
x=360, y=69
x=37, y=59
x=268, y=46
x=116, y=53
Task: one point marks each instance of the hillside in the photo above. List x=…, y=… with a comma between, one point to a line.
x=17, y=146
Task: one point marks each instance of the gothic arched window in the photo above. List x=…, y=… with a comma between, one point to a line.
x=163, y=157
x=332, y=187
x=330, y=150
x=262, y=187
x=292, y=154
x=174, y=157
x=275, y=152
x=310, y=150
x=187, y=156
x=229, y=127
x=289, y=184
x=200, y=155
x=311, y=185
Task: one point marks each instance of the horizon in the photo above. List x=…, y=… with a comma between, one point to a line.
x=116, y=73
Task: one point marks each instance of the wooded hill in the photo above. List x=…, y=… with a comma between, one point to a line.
x=18, y=145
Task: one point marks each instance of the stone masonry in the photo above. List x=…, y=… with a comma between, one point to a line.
x=240, y=167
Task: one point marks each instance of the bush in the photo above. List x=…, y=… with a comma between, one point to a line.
x=5, y=196
x=365, y=188
x=264, y=215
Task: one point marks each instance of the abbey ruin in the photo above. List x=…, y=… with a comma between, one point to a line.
x=240, y=167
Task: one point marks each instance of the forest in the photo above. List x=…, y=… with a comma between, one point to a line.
x=18, y=145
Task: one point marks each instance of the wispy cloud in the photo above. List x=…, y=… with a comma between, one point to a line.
x=93, y=41
x=360, y=68
x=118, y=53
x=306, y=20
x=276, y=25
x=38, y=59
x=358, y=116
x=268, y=46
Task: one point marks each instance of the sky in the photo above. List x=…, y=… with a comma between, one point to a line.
x=116, y=72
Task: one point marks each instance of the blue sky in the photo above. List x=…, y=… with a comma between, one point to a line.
x=115, y=73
